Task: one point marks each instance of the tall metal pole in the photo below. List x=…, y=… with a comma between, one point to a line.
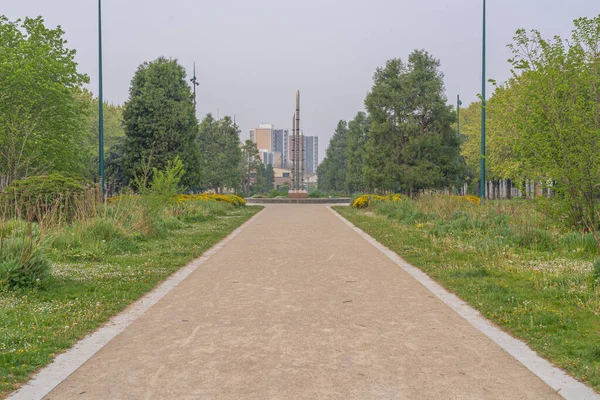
x=100, y=103
x=458, y=104
x=194, y=84
x=482, y=163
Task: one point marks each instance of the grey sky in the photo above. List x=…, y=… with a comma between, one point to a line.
x=251, y=55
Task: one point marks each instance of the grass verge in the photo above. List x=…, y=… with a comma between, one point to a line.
x=87, y=287
x=531, y=278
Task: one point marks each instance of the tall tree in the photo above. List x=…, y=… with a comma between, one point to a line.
x=249, y=165
x=269, y=178
x=41, y=120
x=221, y=154
x=160, y=122
x=556, y=103
x=331, y=174
x=411, y=144
x=358, y=131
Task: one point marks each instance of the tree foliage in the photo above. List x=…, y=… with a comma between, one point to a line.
x=331, y=174
x=41, y=120
x=411, y=144
x=556, y=112
x=249, y=165
x=160, y=122
x=221, y=153
x=406, y=141
x=358, y=134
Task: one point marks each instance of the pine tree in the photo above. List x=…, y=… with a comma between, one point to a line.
x=160, y=121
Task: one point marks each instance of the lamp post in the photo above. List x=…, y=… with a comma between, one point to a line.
x=482, y=162
x=458, y=104
x=194, y=83
x=100, y=103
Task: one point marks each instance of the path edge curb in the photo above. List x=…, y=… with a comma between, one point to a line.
x=52, y=375
x=565, y=385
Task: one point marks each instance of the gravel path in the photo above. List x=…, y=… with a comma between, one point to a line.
x=299, y=306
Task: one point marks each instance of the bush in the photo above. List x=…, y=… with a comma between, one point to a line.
x=23, y=262
x=35, y=197
x=366, y=200
x=317, y=195
x=232, y=199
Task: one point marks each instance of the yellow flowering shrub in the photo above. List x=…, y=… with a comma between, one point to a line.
x=470, y=199
x=232, y=199
x=366, y=200
x=225, y=198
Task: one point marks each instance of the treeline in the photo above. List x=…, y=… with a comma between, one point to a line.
x=49, y=122
x=405, y=142
x=543, y=126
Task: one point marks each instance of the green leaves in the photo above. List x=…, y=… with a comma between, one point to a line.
x=160, y=122
x=411, y=144
x=40, y=119
x=221, y=154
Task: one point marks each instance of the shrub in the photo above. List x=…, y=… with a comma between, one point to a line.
x=470, y=199
x=366, y=200
x=23, y=262
x=232, y=199
x=35, y=197
x=317, y=195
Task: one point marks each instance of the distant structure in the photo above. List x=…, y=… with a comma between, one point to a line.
x=297, y=155
x=311, y=144
x=272, y=144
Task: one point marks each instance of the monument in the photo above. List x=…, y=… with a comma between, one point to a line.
x=297, y=190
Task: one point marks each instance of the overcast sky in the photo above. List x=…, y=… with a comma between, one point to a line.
x=251, y=55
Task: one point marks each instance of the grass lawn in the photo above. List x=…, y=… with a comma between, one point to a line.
x=535, y=283
x=84, y=292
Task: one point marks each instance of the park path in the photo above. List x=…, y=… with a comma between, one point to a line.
x=299, y=306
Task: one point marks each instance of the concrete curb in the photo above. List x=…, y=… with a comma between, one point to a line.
x=565, y=385
x=68, y=362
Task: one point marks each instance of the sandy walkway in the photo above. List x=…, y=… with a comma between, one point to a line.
x=299, y=306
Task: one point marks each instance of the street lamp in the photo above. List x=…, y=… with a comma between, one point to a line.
x=100, y=103
x=194, y=83
x=458, y=104
x=482, y=162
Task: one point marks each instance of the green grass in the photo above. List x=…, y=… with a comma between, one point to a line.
x=98, y=271
x=534, y=280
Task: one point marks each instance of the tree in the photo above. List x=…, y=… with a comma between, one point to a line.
x=331, y=174
x=41, y=120
x=411, y=144
x=221, y=153
x=114, y=139
x=250, y=163
x=358, y=132
x=160, y=122
x=269, y=178
x=555, y=103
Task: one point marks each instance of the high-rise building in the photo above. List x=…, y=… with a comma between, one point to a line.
x=262, y=136
x=271, y=140
x=311, y=146
x=279, y=144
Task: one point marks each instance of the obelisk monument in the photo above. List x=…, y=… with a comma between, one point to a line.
x=297, y=190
